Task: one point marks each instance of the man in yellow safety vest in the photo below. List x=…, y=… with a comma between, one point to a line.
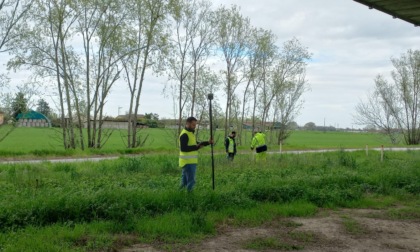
x=188, y=154
x=230, y=145
x=258, y=142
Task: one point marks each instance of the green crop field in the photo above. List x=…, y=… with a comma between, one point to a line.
x=47, y=141
x=327, y=140
x=107, y=205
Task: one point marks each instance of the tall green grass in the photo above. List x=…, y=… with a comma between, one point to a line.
x=89, y=205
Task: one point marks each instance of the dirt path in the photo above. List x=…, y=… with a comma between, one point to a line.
x=362, y=230
x=343, y=230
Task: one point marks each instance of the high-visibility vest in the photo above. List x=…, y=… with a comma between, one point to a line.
x=231, y=148
x=258, y=140
x=190, y=157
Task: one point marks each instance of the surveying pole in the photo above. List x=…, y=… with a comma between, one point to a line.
x=210, y=97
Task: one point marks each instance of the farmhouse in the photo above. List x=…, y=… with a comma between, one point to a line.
x=32, y=119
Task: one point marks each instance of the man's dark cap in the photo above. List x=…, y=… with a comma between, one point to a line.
x=191, y=119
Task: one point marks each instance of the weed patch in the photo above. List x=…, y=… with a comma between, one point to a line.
x=404, y=213
x=353, y=227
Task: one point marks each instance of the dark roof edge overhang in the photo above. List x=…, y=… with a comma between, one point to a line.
x=393, y=14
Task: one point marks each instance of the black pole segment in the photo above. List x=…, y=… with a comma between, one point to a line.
x=210, y=97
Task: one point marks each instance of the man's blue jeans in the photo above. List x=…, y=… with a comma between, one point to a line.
x=188, y=176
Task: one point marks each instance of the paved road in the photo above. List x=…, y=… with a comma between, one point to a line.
x=59, y=160
x=96, y=159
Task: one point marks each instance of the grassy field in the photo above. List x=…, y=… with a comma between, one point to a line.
x=326, y=140
x=47, y=141
x=106, y=205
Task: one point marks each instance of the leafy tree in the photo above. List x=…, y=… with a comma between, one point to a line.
x=375, y=115
x=13, y=14
x=101, y=25
x=396, y=105
x=286, y=83
x=81, y=79
x=232, y=33
x=309, y=126
x=4, y=81
x=207, y=82
x=45, y=49
x=151, y=116
x=12, y=17
x=259, y=58
x=293, y=125
x=190, y=48
x=147, y=36
x=19, y=104
x=151, y=120
x=43, y=107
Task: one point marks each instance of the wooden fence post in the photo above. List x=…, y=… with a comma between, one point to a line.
x=382, y=153
x=280, y=146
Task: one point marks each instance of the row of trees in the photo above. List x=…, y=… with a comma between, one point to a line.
x=82, y=49
x=259, y=79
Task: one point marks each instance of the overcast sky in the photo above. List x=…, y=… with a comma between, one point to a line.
x=350, y=45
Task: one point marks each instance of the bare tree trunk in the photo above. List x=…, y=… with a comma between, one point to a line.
x=66, y=87
x=254, y=108
x=60, y=94
x=60, y=88
x=86, y=44
x=58, y=43
x=194, y=88
x=73, y=89
x=136, y=107
x=228, y=99
x=99, y=139
x=243, y=111
x=133, y=88
x=180, y=107
x=79, y=120
x=96, y=108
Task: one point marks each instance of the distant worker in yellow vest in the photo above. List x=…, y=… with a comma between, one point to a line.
x=188, y=155
x=230, y=145
x=258, y=143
